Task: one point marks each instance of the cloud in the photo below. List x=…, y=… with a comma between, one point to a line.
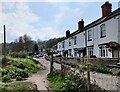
x=67, y=17
x=18, y=19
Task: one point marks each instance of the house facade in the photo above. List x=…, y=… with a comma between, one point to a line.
x=101, y=38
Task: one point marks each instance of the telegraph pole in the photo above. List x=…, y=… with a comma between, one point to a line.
x=4, y=41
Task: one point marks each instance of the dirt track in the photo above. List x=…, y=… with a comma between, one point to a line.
x=40, y=78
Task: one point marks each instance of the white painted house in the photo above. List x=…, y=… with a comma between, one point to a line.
x=101, y=38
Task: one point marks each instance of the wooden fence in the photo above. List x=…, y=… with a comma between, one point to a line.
x=77, y=61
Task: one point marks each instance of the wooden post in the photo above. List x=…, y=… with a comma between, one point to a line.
x=88, y=78
x=62, y=72
x=51, y=63
x=4, y=41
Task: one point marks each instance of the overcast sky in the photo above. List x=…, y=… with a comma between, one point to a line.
x=45, y=20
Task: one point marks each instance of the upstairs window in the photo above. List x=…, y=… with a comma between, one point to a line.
x=102, y=31
x=59, y=46
x=63, y=44
x=89, y=35
x=75, y=40
x=69, y=42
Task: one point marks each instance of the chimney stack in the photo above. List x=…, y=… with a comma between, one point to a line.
x=80, y=25
x=67, y=33
x=106, y=9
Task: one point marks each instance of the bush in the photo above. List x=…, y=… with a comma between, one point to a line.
x=6, y=78
x=19, y=78
x=100, y=68
x=19, y=54
x=23, y=73
x=13, y=72
x=56, y=82
x=26, y=64
x=5, y=61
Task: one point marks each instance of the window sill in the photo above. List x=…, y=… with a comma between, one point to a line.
x=90, y=40
x=103, y=36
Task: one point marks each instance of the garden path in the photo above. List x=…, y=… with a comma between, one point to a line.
x=40, y=78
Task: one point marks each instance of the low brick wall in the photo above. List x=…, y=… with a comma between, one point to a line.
x=105, y=61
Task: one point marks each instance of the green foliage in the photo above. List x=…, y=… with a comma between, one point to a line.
x=13, y=72
x=6, y=78
x=56, y=82
x=35, y=48
x=21, y=54
x=21, y=68
x=100, y=68
x=19, y=78
x=5, y=61
x=74, y=83
x=27, y=64
x=69, y=83
x=23, y=43
x=49, y=43
x=18, y=87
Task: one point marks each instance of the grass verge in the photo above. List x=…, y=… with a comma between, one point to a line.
x=18, y=87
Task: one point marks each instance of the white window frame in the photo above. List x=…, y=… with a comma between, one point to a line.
x=102, y=31
x=90, y=35
x=75, y=53
x=59, y=46
x=75, y=40
x=103, y=51
x=69, y=42
x=63, y=43
x=70, y=52
x=90, y=51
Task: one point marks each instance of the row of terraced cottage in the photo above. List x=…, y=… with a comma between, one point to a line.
x=101, y=38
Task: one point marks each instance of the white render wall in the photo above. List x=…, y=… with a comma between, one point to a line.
x=112, y=34
x=111, y=27
x=80, y=40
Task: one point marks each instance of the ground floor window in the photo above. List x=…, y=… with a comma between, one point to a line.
x=103, y=51
x=90, y=51
x=69, y=52
x=81, y=54
x=75, y=53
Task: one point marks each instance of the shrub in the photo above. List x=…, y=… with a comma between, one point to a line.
x=6, y=78
x=4, y=72
x=100, y=68
x=19, y=54
x=23, y=73
x=13, y=72
x=19, y=78
x=5, y=61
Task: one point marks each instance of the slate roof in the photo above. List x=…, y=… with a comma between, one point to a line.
x=96, y=22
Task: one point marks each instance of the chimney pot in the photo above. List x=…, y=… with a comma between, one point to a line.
x=67, y=33
x=80, y=25
x=106, y=8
